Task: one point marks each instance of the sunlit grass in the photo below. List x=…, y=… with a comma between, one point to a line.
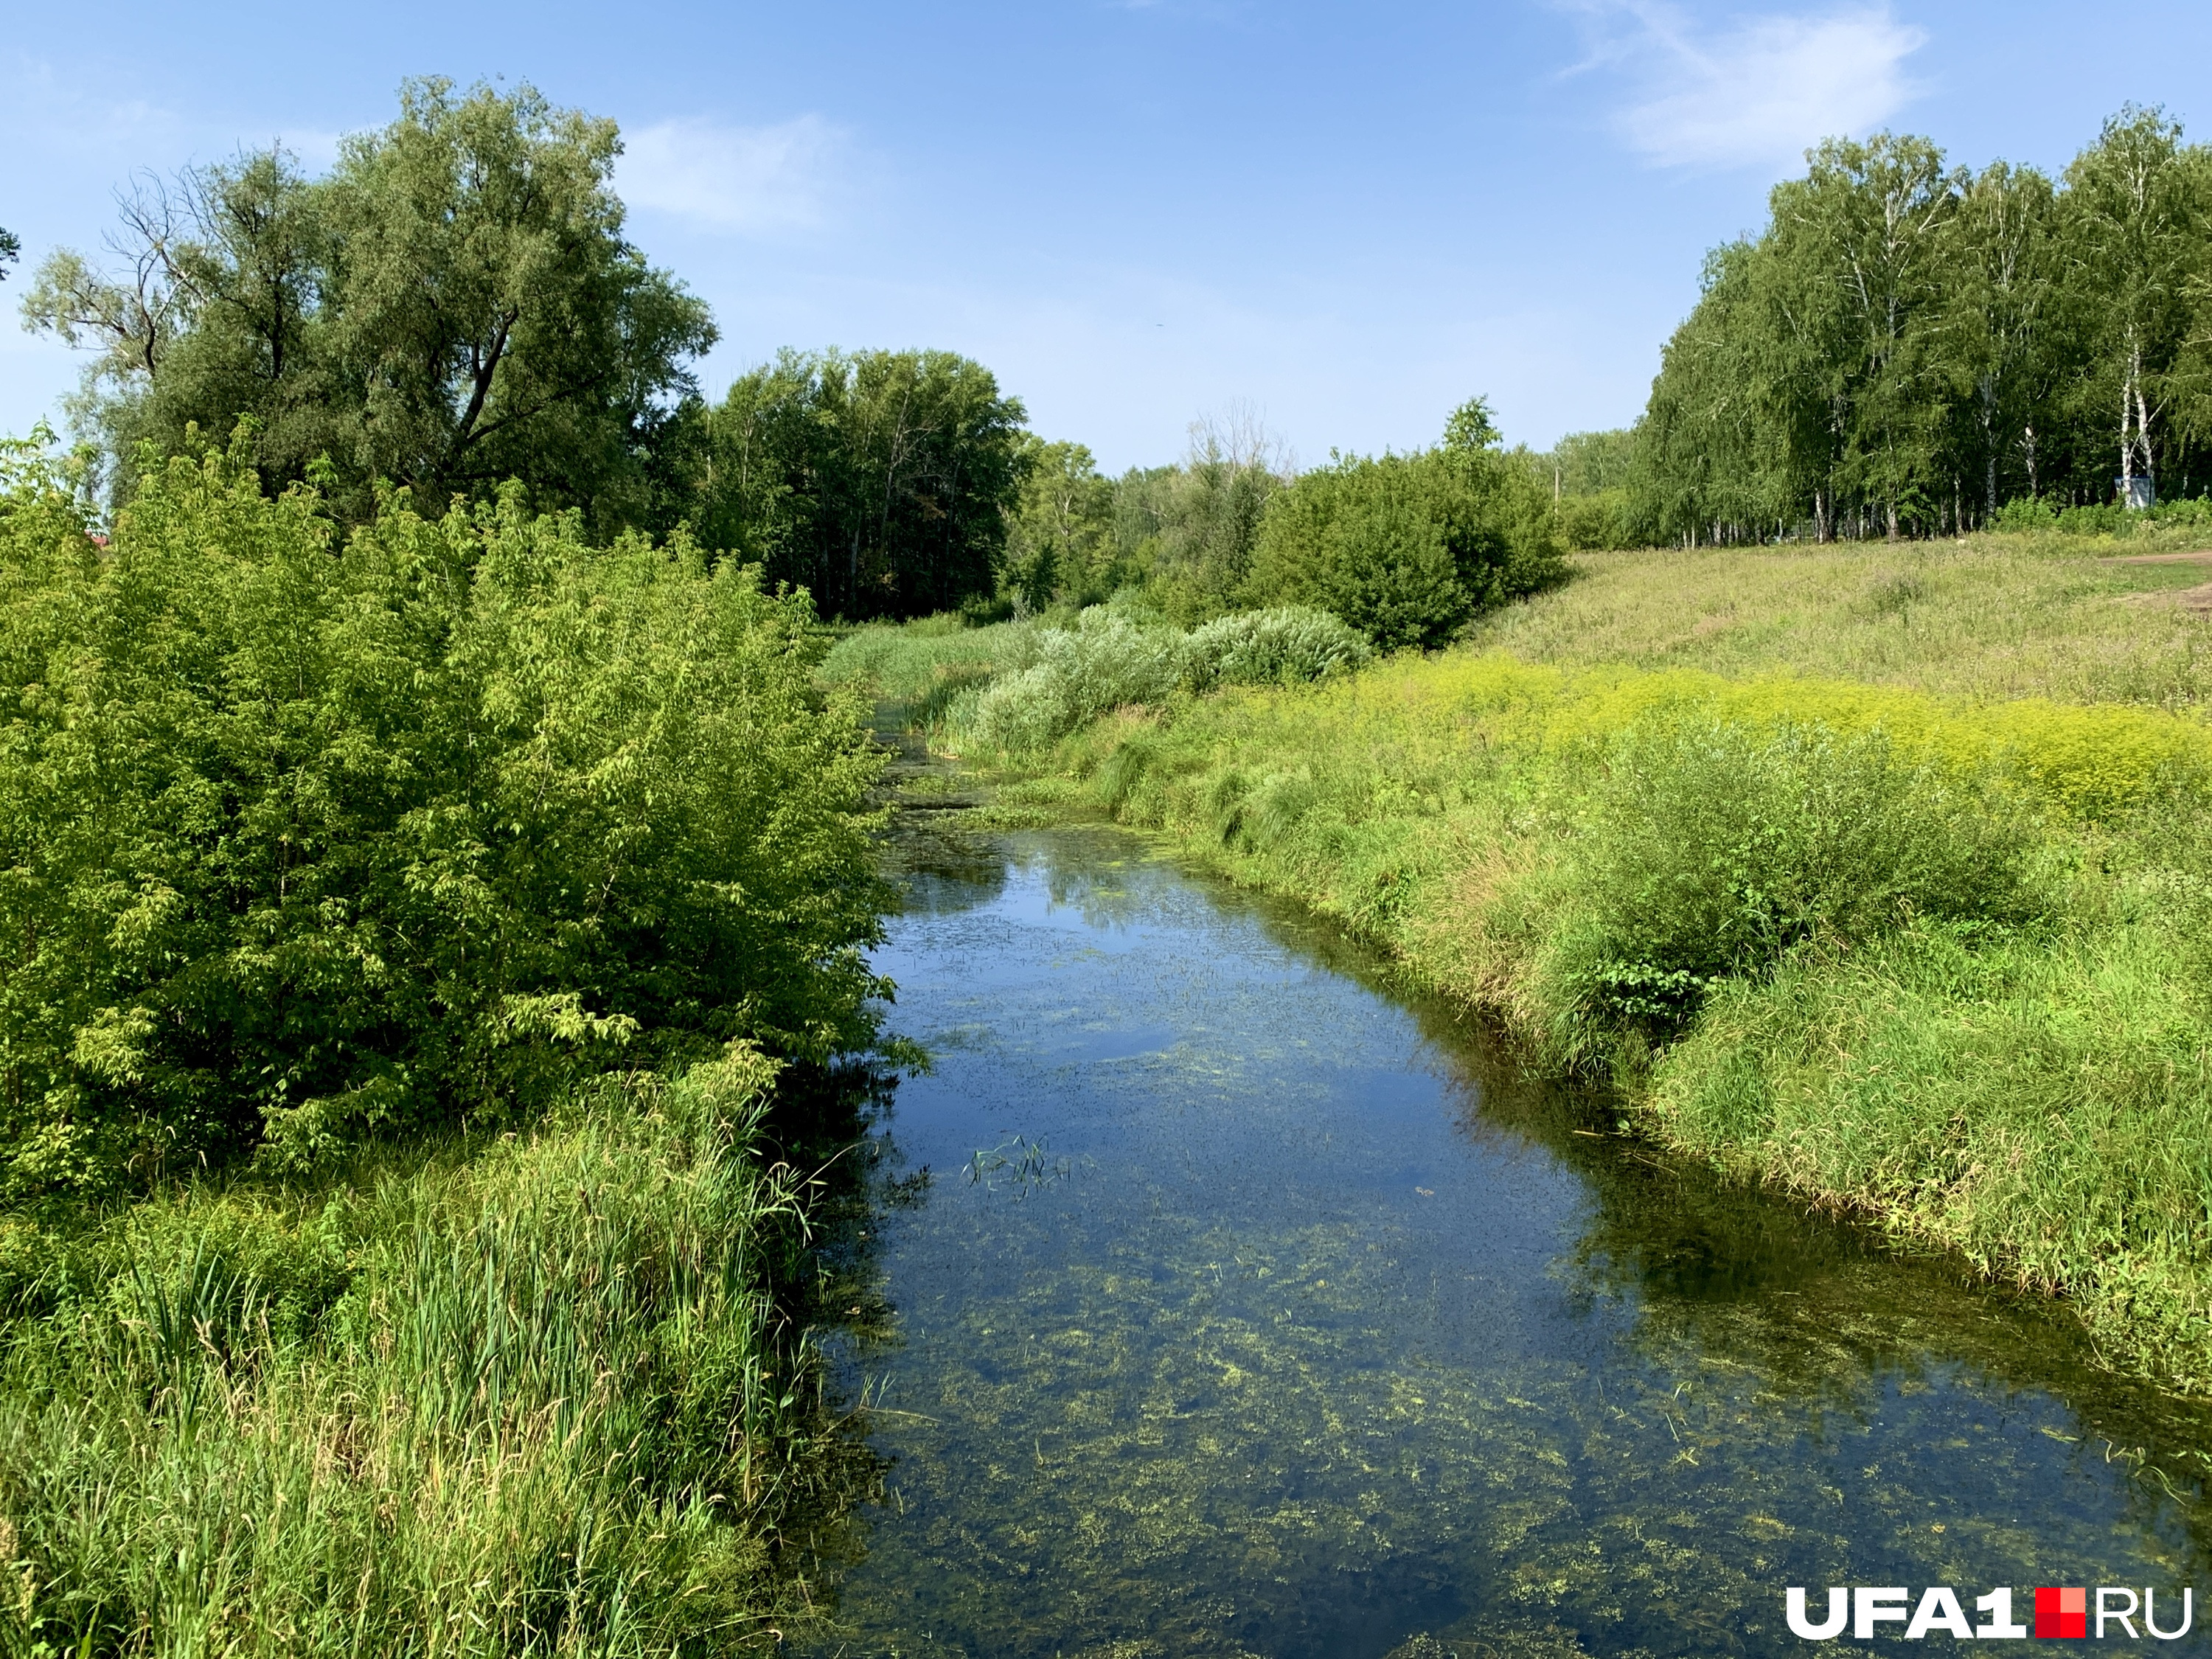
x=1992, y=617
x=533, y=1397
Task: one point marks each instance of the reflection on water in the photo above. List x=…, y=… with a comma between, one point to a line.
x=1326, y=1331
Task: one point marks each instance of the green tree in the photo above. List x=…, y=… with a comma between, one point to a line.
x=1907, y=344
x=1060, y=533
x=2000, y=349
x=1738, y=420
x=2136, y=213
x=11, y=249
x=1191, y=529
x=499, y=326
x=1864, y=236
x=881, y=481
x=1408, y=548
x=453, y=306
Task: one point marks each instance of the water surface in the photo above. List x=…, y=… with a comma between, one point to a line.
x=1249, y=1309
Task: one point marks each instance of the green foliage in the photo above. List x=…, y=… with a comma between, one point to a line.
x=535, y=1398
x=1020, y=687
x=1907, y=345
x=451, y=306
x=1585, y=464
x=1408, y=548
x=1060, y=533
x=1603, y=522
x=1710, y=852
x=881, y=481
x=1106, y=661
x=1188, y=532
x=307, y=839
x=2024, y=515
x=11, y=249
x=1288, y=644
x=931, y=667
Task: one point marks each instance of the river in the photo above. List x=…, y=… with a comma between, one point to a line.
x=1251, y=1308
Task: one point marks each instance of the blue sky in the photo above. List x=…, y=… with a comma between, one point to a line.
x=1343, y=218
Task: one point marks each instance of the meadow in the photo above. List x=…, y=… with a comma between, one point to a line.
x=1875, y=872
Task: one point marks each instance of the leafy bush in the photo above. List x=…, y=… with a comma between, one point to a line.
x=2111, y=519
x=1710, y=851
x=1599, y=523
x=1282, y=646
x=305, y=839
x=1121, y=655
x=1407, y=548
x=2195, y=511
x=1104, y=662
x=2024, y=514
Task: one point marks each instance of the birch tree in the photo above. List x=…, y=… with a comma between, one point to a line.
x=2134, y=240
x=2001, y=273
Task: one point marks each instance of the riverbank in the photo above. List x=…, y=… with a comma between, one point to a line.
x=1933, y=960
x=1265, y=1309
x=421, y=949
x=490, y=1396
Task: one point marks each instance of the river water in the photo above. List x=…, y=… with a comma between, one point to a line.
x=1251, y=1309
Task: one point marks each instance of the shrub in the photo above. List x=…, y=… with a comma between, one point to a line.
x=1104, y=662
x=1407, y=548
x=307, y=839
x=2111, y=519
x=1282, y=646
x=2195, y=511
x=1710, y=851
x=1599, y=523
x=924, y=665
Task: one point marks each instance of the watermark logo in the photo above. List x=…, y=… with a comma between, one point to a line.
x=2117, y=1610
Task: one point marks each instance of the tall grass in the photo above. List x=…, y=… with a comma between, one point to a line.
x=536, y=1398
x=1021, y=686
x=1992, y=617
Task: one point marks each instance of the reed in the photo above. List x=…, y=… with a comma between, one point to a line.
x=533, y=1397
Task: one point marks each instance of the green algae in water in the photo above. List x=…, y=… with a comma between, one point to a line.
x=1334, y=1337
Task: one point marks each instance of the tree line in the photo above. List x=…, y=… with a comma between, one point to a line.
x=454, y=304
x=454, y=307
x=1910, y=344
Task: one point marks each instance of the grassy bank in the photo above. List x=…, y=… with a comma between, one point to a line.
x=1937, y=959
x=533, y=1394
x=2074, y=619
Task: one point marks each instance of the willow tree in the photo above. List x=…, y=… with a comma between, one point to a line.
x=453, y=306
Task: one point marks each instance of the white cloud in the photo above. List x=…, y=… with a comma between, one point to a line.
x=1760, y=90
x=740, y=179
